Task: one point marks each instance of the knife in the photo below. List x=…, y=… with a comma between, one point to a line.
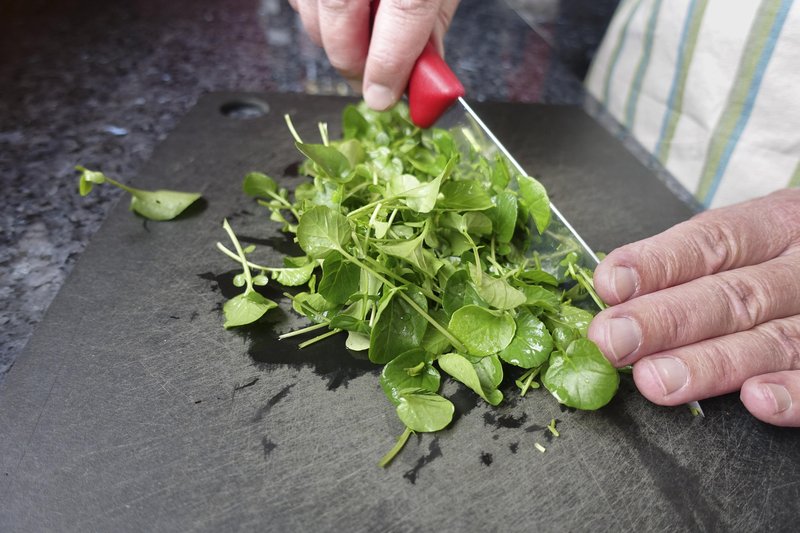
x=436, y=96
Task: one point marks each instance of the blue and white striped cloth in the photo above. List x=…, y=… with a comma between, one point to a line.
x=711, y=88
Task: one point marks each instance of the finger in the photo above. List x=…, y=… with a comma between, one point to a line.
x=446, y=13
x=400, y=32
x=707, y=307
x=344, y=29
x=774, y=398
x=714, y=241
x=719, y=366
x=309, y=15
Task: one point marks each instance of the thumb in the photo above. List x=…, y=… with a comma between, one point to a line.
x=400, y=32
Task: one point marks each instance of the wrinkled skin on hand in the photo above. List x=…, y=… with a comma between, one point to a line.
x=711, y=306
x=380, y=65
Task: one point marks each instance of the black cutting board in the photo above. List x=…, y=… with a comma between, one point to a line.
x=131, y=408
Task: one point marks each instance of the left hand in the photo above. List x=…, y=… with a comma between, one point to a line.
x=709, y=307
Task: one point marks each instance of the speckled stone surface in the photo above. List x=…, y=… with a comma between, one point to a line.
x=101, y=83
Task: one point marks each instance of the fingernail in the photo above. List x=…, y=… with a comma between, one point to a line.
x=624, y=282
x=379, y=97
x=778, y=396
x=624, y=336
x=671, y=373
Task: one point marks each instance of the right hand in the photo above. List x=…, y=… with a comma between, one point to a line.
x=379, y=67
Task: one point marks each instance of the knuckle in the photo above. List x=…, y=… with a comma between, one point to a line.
x=719, y=367
x=666, y=322
x=787, y=210
x=385, y=63
x=337, y=6
x=415, y=8
x=743, y=300
x=715, y=243
x=784, y=338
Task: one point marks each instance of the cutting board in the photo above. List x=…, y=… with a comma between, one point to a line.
x=132, y=409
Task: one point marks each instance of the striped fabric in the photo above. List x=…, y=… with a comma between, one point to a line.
x=711, y=88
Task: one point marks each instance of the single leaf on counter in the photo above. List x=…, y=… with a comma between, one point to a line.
x=161, y=204
x=157, y=205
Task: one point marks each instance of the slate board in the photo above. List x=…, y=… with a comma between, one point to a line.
x=131, y=409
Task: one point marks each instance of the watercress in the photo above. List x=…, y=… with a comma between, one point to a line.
x=155, y=205
x=428, y=254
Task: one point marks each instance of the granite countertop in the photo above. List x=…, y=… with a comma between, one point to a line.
x=100, y=84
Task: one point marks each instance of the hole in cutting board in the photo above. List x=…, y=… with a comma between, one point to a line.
x=244, y=109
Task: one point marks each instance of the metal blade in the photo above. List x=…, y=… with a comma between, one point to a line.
x=560, y=238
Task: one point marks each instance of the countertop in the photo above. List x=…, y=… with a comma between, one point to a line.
x=101, y=83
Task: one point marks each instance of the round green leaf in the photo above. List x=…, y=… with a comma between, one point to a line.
x=482, y=376
x=339, y=279
x=482, y=331
x=581, y=377
x=161, y=204
x=409, y=370
x=322, y=230
x=569, y=316
x=459, y=291
x=424, y=411
x=533, y=196
x=399, y=327
x=260, y=185
x=245, y=308
x=532, y=343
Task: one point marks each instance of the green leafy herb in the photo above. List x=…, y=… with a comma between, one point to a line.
x=155, y=205
x=249, y=306
x=581, y=376
x=433, y=258
x=482, y=376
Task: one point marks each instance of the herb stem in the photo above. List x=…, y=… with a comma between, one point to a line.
x=524, y=382
x=318, y=338
x=283, y=201
x=323, y=133
x=401, y=441
x=301, y=331
x=289, y=123
x=222, y=248
x=370, y=205
x=427, y=292
x=444, y=331
x=586, y=282
x=242, y=258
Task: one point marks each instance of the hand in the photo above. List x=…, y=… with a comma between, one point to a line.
x=711, y=306
x=380, y=67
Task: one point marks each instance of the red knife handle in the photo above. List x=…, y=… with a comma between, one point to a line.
x=432, y=87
